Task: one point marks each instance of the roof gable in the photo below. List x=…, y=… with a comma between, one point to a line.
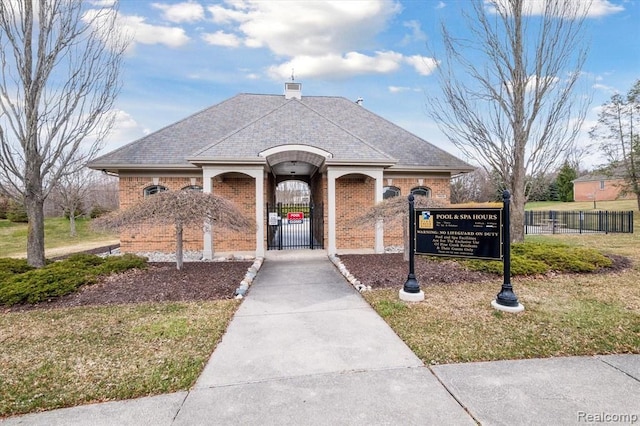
x=293, y=122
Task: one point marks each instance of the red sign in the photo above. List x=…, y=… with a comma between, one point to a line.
x=295, y=217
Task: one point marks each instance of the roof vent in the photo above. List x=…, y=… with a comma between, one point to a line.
x=293, y=90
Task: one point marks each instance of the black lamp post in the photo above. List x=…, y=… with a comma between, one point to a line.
x=507, y=297
x=411, y=285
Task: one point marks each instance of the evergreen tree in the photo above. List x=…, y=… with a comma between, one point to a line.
x=564, y=182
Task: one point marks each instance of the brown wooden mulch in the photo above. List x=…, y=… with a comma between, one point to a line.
x=219, y=280
x=159, y=282
x=390, y=270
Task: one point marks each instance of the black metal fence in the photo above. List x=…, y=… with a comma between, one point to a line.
x=295, y=226
x=578, y=222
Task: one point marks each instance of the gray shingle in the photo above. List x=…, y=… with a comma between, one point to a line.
x=247, y=124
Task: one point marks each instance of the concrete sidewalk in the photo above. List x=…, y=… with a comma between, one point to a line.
x=304, y=348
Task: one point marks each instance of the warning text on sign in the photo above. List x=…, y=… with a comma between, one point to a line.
x=473, y=233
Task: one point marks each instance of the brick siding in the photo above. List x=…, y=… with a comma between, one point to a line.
x=587, y=190
x=354, y=194
x=440, y=190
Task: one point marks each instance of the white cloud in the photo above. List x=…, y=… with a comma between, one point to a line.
x=604, y=88
x=152, y=34
x=441, y=5
x=423, y=64
x=416, y=33
x=593, y=9
x=102, y=3
x=338, y=66
x=220, y=38
x=188, y=11
x=125, y=129
x=309, y=28
x=398, y=89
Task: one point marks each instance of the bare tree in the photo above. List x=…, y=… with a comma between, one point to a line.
x=60, y=65
x=508, y=91
x=476, y=186
x=395, y=212
x=179, y=209
x=70, y=194
x=617, y=132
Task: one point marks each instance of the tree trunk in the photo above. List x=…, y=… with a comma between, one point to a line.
x=517, y=214
x=35, y=233
x=72, y=225
x=179, y=260
x=34, y=204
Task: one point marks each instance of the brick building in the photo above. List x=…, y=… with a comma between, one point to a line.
x=599, y=187
x=242, y=148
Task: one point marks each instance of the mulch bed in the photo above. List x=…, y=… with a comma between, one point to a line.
x=159, y=282
x=219, y=280
x=390, y=270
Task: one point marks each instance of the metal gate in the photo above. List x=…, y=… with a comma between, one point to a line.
x=295, y=226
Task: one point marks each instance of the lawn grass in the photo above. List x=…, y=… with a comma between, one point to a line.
x=56, y=231
x=564, y=315
x=65, y=357
x=576, y=314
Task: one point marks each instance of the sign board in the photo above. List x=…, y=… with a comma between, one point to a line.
x=273, y=218
x=471, y=233
x=295, y=217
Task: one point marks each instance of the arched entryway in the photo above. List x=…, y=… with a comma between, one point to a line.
x=295, y=197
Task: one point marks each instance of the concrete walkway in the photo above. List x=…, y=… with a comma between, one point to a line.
x=305, y=349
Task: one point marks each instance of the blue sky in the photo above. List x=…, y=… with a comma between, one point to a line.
x=188, y=55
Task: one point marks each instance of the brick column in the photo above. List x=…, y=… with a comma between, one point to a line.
x=335, y=172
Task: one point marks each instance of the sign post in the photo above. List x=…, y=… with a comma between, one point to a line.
x=506, y=300
x=464, y=232
x=411, y=292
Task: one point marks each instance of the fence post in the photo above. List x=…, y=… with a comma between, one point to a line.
x=310, y=225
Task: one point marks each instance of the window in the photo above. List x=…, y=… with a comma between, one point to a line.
x=390, y=192
x=601, y=184
x=154, y=189
x=192, y=188
x=422, y=191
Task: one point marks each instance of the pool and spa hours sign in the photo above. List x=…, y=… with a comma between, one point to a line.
x=472, y=233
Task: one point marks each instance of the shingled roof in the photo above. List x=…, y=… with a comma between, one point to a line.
x=247, y=124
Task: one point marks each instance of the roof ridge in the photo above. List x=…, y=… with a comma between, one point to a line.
x=347, y=131
x=228, y=135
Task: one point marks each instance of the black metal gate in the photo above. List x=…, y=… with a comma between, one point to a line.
x=295, y=226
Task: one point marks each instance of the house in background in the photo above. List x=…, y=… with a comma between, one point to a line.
x=243, y=147
x=599, y=187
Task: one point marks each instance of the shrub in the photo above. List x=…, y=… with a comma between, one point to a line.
x=9, y=267
x=85, y=260
x=531, y=258
x=23, y=284
x=4, y=206
x=114, y=264
x=17, y=212
x=97, y=211
x=39, y=285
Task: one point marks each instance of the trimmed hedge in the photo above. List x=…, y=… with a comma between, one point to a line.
x=533, y=258
x=19, y=283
